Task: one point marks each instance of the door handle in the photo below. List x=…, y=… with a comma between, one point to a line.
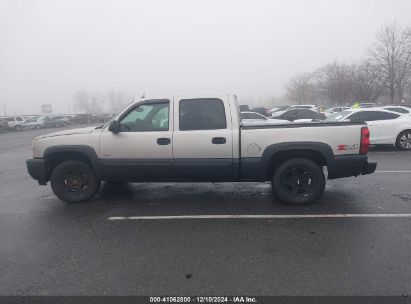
x=163, y=141
x=218, y=140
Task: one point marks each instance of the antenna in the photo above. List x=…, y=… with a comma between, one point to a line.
x=144, y=95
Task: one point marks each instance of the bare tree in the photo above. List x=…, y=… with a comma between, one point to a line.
x=81, y=99
x=335, y=83
x=368, y=84
x=300, y=88
x=117, y=100
x=96, y=104
x=391, y=57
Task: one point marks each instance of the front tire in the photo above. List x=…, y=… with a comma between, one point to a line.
x=298, y=181
x=74, y=181
x=403, y=141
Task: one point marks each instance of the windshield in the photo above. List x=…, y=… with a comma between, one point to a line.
x=338, y=116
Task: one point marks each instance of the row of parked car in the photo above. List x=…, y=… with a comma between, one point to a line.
x=389, y=125
x=24, y=122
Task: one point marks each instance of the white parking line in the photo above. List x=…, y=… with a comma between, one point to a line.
x=399, y=171
x=258, y=216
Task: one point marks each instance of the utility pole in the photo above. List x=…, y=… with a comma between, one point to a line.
x=4, y=108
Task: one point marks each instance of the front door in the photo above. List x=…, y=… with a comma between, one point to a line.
x=202, y=140
x=142, y=150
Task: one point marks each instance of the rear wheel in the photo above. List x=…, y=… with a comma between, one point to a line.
x=74, y=181
x=298, y=181
x=404, y=140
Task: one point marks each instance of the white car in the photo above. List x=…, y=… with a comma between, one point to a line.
x=386, y=127
x=283, y=109
x=16, y=122
x=332, y=110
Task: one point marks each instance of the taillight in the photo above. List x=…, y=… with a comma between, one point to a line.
x=365, y=140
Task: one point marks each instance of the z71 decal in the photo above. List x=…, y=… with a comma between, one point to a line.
x=347, y=147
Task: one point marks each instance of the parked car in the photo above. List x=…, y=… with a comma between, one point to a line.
x=50, y=122
x=386, y=127
x=261, y=110
x=202, y=140
x=82, y=118
x=278, y=109
x=31, y=123
x=62, y=118
x=283, y=109
x=298, y=114
x=15, y=122
x=256, y=118
x=329, y=111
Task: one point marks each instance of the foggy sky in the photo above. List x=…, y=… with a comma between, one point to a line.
x=51, y=49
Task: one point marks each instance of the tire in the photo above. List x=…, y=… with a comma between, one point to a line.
x=403, y=141
x=37, y=127
x=298, y=181
x=18, y=128
x=74, y=182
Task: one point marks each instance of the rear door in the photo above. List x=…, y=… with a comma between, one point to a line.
x=202, y=140
x=387, y=124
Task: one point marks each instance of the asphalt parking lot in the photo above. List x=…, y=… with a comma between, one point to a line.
x=114, y=246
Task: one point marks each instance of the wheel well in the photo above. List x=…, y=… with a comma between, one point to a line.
x=55, y=159
x=279, y=157
x=406, y=130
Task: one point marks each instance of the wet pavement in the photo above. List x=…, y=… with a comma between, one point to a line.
x=48, y=247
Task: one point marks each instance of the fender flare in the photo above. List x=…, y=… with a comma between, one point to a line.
x=87, y=151
x=324, y=149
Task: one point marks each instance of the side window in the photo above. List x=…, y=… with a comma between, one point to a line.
x=245, y=116
x=306, y=114
x=146, y=117
x=387, y=116
x=399, y=110
x=202, y=114
x=363, y=116
x=290, y=115
x=255, y=116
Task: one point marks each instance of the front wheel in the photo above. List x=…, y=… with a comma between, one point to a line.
x=404, y=140
x=74, y=182
x=298, y=181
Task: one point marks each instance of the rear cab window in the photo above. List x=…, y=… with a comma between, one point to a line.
x=202, y=114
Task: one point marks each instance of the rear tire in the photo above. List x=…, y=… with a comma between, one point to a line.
x=403, y=141
x=298, y=181
x=74, y=181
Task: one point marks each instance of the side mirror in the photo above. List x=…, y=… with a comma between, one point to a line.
x=114, y=126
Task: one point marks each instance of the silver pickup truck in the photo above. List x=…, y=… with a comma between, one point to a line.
x=199, y=140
